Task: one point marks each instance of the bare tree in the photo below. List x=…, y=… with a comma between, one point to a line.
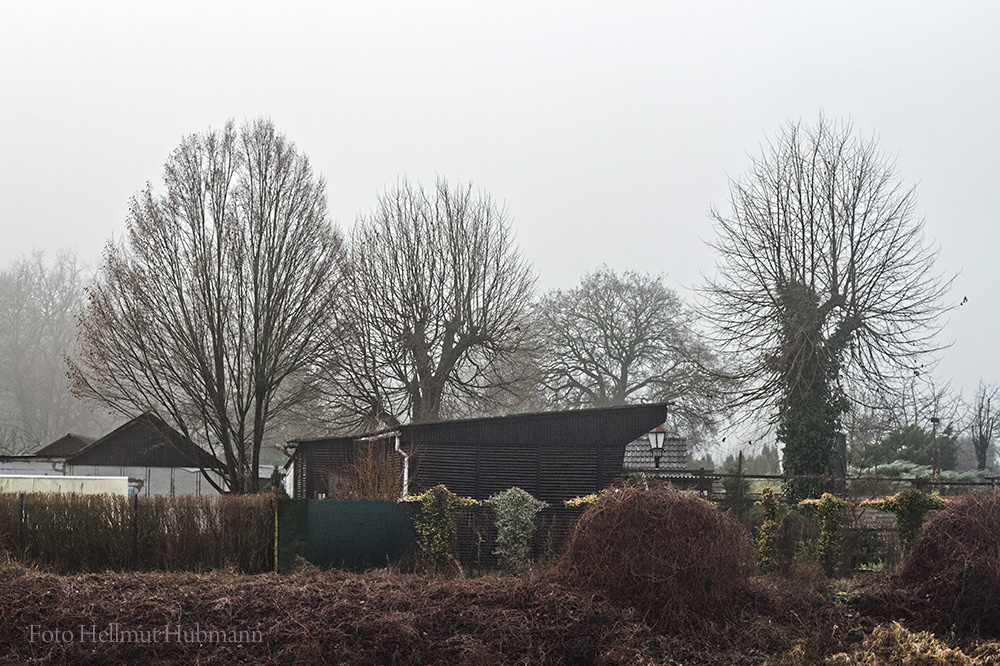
x=823, y=283
x=39, y=305
x=916, y=401
x=617, y=339
x=215, y=309
x=918, y=424
x=437, y=293
x=984, y=421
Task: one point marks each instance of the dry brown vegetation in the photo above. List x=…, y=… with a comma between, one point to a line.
x=672, y=555
x=949, y=580
x=577, y=614
x=657, y=577
x=376, y=473
x=892, y=644
x=383, y=618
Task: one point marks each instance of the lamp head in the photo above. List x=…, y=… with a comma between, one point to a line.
x=656, y=438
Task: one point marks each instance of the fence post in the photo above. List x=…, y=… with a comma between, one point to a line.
x=274, y=504
x=135, y=527
x=20, y=526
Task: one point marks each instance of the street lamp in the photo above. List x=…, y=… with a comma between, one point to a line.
x=934, y=447
x=656, y=437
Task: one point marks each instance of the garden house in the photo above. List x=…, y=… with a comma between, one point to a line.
x=553, y=455
x=156, y=458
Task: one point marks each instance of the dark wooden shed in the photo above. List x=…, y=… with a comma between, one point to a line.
x=553, y=455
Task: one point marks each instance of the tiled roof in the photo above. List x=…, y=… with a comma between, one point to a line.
x=638, y=457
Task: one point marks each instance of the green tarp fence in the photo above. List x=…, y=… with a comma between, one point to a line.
x=350, y=535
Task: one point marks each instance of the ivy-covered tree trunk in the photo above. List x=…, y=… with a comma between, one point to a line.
x=811, y=402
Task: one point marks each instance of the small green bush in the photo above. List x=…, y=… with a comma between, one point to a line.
x=770, y=530
x=785, y=537
x=515, y=512
x=434, y=523
x=910, y=507
x=831, y=511
x=583, y=502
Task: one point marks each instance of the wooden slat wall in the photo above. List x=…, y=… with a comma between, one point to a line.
x=502, y=467
x=454, y=466
x=554, y=456
x=567, y=472
x=301, y=467
x=315, y=461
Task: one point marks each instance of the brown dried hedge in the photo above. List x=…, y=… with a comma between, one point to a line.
x=76, y=533
x=953, y=567
x=674, y=557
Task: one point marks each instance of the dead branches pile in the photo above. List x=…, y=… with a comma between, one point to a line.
x=954, y=564
x=311, y=618
x=949, y=579
x=673, y=556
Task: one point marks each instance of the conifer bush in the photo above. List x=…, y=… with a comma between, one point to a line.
x=770, y=530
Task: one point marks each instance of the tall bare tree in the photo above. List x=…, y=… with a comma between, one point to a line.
x=617, y=339
x=437, y=295
x=215, y=309
x=39, y=304
x=984, y=421
x=823, y=281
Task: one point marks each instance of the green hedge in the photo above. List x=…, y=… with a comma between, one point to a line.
x=80, y=533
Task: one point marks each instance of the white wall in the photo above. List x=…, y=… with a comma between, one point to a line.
x=83, y=485
x=155, y=480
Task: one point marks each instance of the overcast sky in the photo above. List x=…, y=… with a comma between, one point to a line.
x=607, y=130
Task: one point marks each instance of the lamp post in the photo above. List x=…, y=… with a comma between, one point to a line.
x=656, y=437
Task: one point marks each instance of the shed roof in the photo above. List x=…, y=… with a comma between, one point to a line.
x=145, y=441
x=581, y=426
x=552, y=455
x=66, y=445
